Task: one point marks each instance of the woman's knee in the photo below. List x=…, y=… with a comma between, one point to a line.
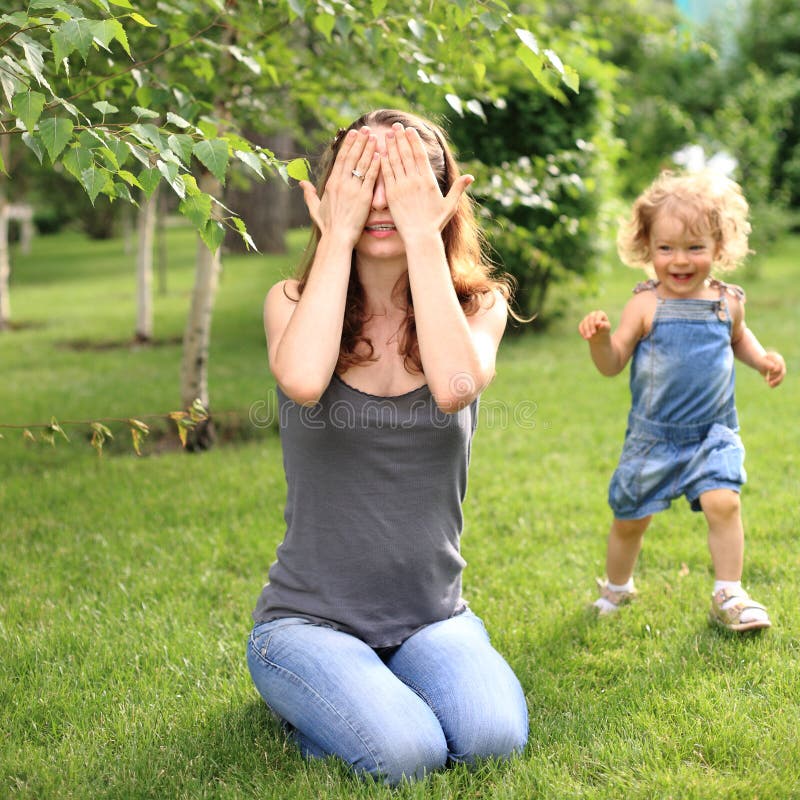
x=497, y=736
x=410, y=757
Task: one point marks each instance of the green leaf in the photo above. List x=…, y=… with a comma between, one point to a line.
x=476, y=108
x=149, y=179
x=169, y=170
x=75, y=34
x=178, y=122
x=76, y=160
x=121, y=3
x=298, y=7
x=94, y=180
x=532, y=61
x=324, y=24
x=147, y=113
x=181, y=144
x=109, y=157
x=129, y=178
x=252, y=161
x=55, y=133
x=34, y=56
x=190, y=185
x=106, y=30
x=34, y=142
x=118, y=189
x=377, y=7
x=246, y=237
x=105, y=107
x=28, y=106
x=212, y=235
x=572, y=79
x=148, y=134
x=555, y=61
x=491, y=21
x=120, y=149
x=297, y=168
x=2, y=164
x=136, y=17
x=213, y=154
x=415, y=28
x=454, y=101
x=197, y=209
x=18, y=19
x=528, y=39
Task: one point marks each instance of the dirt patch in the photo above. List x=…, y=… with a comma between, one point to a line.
x=99, y=345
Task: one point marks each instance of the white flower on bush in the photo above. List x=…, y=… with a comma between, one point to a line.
x=693, y=159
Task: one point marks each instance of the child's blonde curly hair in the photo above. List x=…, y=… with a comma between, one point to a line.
x=706, y=202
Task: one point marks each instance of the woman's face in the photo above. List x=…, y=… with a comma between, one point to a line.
x=380, y=239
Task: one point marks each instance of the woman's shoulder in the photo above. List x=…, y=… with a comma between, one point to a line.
x=283, y=291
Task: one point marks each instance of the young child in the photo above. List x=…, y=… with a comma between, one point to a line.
x=682, y=329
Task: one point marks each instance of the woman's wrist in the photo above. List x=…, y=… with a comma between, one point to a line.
x=423, y=242
x=338, y=239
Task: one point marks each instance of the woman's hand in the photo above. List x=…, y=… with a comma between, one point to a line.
x=412, y=191
x=346, y=198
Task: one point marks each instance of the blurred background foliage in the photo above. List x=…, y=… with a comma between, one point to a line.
x=553, y=168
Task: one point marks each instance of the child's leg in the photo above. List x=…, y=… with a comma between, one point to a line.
x=731, y=605
x=624, y=544
x=723, y=513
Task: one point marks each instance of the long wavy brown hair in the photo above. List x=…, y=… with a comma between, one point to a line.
x=470, y=269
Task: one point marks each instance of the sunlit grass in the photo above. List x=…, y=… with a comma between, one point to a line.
x=126, y=583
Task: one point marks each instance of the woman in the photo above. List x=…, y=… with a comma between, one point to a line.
x=362, y=644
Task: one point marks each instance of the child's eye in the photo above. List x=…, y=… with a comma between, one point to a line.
x=696, y=247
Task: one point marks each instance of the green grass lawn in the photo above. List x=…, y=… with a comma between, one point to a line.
x=126, y=582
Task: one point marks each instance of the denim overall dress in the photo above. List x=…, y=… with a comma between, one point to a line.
x=682, y=435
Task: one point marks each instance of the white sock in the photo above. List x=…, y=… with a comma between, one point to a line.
x=726, y=585
x=607, y=607
x=621, y=587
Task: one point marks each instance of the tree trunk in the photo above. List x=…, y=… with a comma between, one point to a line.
x=197, y=336
x=161, y=242
x=144, y=267
x=5, y=265
x=5, y=256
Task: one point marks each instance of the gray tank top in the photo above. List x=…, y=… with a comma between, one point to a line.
x=373, y=513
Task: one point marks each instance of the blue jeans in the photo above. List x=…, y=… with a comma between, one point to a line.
x=444, y=695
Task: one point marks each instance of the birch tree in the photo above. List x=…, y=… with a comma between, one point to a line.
x=81, y=90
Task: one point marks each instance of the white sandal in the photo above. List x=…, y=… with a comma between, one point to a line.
x=730, y=616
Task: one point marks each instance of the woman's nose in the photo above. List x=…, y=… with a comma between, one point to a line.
x=379, y=195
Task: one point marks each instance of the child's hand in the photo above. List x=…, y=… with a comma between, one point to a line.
x=594, y=323
x=773, y=368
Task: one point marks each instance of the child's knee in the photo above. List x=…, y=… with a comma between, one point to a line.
x=721, y=503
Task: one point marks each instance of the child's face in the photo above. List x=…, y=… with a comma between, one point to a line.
x=682, y=260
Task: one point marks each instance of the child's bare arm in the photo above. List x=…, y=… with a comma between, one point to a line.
x=749, y=350
x=611, y=352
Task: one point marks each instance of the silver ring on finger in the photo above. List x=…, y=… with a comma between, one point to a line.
x=356, y=174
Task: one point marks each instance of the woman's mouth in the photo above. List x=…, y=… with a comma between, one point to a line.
x=380, y=229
